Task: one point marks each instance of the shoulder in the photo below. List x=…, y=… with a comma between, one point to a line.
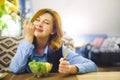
x=25, y=43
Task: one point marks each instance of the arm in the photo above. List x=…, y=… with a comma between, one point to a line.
x=76, y=64
x=25, y=49
x=19, y=61
x=84, y=65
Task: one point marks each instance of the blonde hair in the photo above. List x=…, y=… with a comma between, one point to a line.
x=55, y=41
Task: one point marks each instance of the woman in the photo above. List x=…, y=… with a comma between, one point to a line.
x=43, y=42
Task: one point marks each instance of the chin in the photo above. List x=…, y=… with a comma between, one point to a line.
x=37, y=34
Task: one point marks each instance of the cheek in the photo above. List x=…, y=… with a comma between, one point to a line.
x=48, y=31
x=34, y=23
x=49, y=28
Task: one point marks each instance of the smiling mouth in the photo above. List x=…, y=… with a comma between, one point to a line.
x=39, y=30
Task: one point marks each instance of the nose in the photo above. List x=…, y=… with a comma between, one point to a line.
x=40, y=23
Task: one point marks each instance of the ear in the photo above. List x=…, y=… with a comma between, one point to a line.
x=52, y=33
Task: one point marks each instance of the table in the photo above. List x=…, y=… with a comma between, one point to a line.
x=30, y=76
x=58, y=76
x=100, y=76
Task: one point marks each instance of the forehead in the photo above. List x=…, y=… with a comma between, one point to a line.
x=47, y=16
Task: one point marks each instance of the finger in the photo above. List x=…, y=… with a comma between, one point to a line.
x=32, y=25
x=61, y=59
x=64, y=67
x=28, y=24
x=63, y=71
x=25, y=23
x=64, y=63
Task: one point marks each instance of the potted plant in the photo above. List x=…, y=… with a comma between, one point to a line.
x=7, y=12
x=3, y=11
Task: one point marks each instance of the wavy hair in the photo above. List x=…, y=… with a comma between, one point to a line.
x=55, y=41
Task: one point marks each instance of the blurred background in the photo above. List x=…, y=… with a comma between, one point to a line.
x=78, y=16
x=85, y=16
x=12, y=14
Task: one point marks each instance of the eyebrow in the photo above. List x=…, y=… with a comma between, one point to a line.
x=44, y=19
x=47, y=20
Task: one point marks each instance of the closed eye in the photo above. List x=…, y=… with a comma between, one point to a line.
x=46, y=22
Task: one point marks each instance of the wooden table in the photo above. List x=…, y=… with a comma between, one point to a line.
x=100, y=76
x=30, y=76
x=58, y=76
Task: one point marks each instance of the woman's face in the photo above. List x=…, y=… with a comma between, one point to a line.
x=43, y=26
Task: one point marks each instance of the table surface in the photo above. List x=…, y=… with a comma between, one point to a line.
x=30, y=76
x=58, y=76
x=100, y=76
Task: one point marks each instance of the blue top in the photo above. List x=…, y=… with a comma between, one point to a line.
x=26, y=53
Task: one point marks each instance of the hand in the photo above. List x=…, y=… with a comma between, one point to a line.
x=65, y=67
x=29, y=29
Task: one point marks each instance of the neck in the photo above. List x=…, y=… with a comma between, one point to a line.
x=40, y=45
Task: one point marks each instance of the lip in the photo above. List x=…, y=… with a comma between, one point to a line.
x=38, y=30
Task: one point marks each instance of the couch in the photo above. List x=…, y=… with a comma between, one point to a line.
x=86, y=41
x=108, y=53
x=8, y=47
x=101, y=49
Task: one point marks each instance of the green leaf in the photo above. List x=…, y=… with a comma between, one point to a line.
x=12, y=17
x=0, y=14
x=4, y=8
x=3, y=25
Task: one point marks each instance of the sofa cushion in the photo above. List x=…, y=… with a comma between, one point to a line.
x=97, y=42
x=8, y=47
